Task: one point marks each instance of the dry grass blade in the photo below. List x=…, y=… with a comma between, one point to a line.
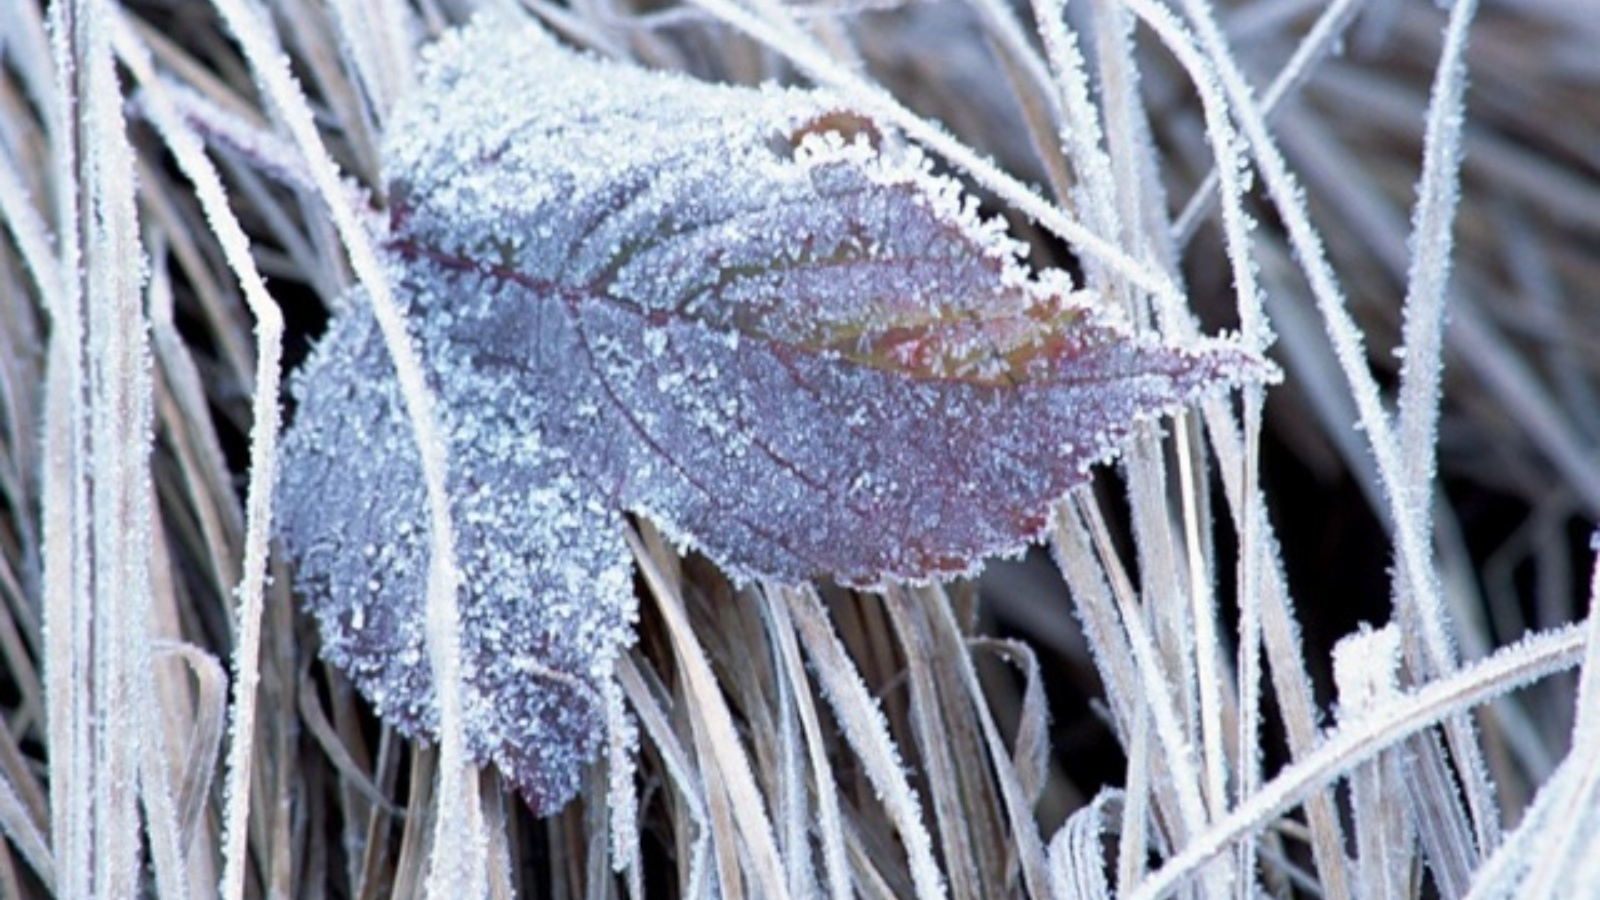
x=722, y=745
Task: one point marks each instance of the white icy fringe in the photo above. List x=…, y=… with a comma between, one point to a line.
x=108, y=600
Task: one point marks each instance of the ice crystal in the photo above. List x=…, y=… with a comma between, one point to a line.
x=742, y=313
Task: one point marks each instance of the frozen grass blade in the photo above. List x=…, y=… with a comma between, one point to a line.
x=19, y=828
x=679, y=769
x=100, y=578
x=186, y=149
x=163, y=826
x=1025, y=838
x=711, y=713
x=1228, y=149
x=65, y=521
x=1071, y=546
x=1346, y=337
x=1079, y=132
x=835, y=864
x=29, y=230
x=1077, y=868
x=1325, y=841
x=1322, y=40
x=1133, y=191
x=1425, y=306
x=865, y=730
x=460, y=819
x=1550, y=855
x=1170, y=738
x=622, y=797
x=374, y=35
x=930, y=725
x=1202, y=605
x=204, y=738
x=794, y=812
x=1367, y=671
x=1489, y=355
x=1280, y=642
x=1410, y=524
x=1516, y=666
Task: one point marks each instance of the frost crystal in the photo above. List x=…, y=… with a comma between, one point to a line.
x=726, y=309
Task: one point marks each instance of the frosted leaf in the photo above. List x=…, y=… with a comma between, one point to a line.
x=727, y=309
x=547, y=585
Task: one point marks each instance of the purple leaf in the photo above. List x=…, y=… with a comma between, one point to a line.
x=729, y=310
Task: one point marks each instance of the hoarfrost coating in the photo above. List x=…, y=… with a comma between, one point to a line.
x=740, y=312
